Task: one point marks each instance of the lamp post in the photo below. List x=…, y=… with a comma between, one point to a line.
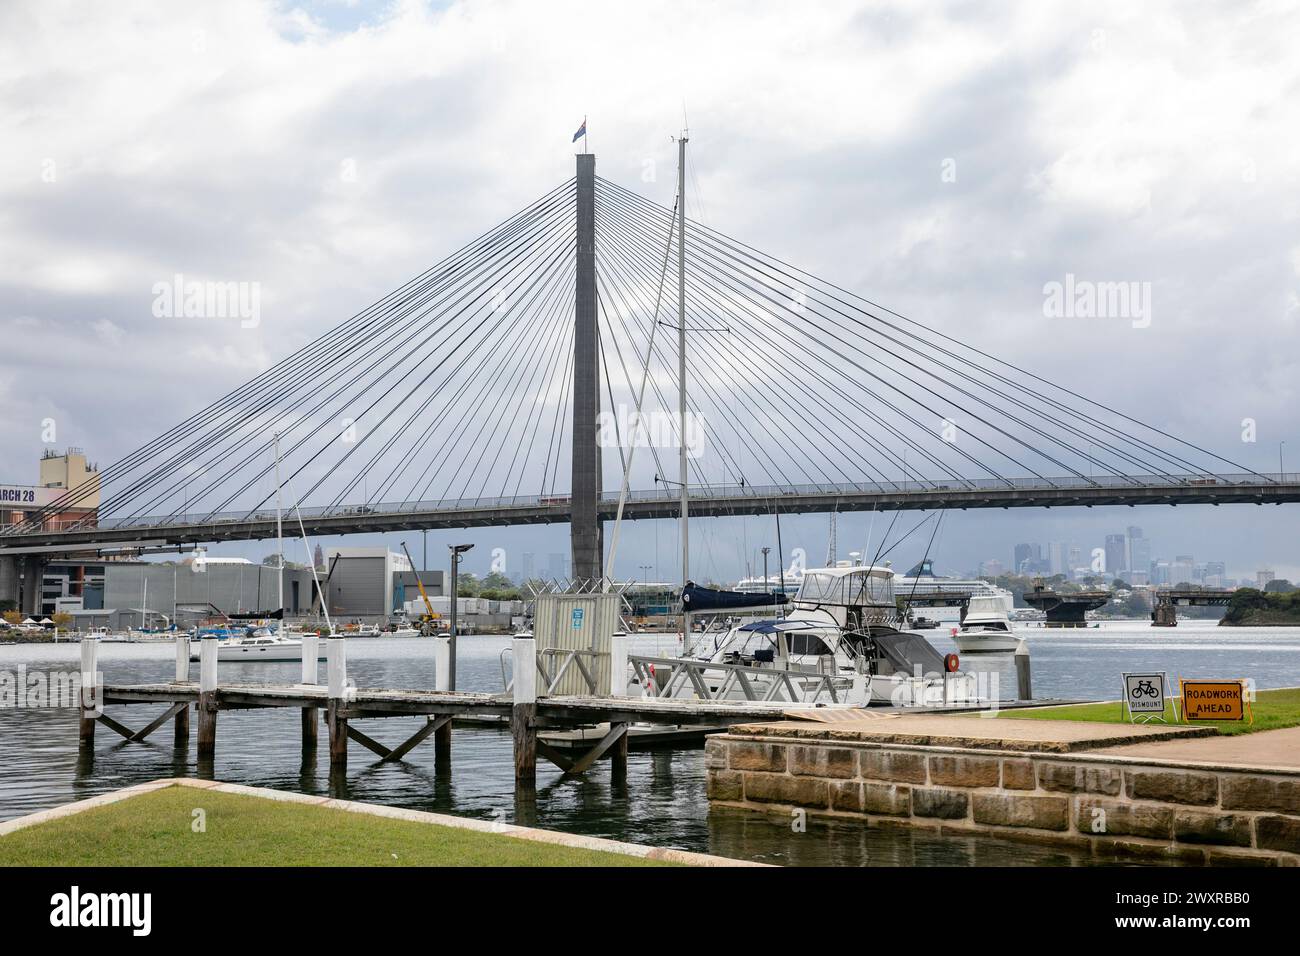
x=1280, y=470
x=456, y=551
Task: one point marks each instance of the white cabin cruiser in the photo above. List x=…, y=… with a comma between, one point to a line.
x=986, y=627
x=268, y=648
x=843, y=624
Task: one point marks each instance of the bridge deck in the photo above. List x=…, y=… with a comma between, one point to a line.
x=705, y=502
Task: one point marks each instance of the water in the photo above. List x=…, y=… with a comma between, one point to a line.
x=662, y=802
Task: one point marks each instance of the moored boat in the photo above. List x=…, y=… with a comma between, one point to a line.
x=985, y=628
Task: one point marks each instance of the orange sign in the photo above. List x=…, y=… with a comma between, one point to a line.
x=1214, y=700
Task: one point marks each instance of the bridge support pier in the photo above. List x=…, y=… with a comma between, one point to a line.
x=33, y=568
x=9, y=590
x=1164, y=615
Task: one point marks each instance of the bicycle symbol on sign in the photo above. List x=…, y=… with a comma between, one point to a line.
x=1145, y=689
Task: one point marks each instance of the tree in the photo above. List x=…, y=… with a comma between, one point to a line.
x=1278, y=586
x=496, y=581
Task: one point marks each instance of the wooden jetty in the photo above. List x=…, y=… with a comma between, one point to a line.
x=523, y=707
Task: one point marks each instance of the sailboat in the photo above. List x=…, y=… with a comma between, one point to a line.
x=266, y=641
x=843, y=620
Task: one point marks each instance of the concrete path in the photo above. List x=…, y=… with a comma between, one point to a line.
x=1268, y=748
x=996, y=733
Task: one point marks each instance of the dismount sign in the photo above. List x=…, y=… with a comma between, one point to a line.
x=1144, y=695
x=1214, y=700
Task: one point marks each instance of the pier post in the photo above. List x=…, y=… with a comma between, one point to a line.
x=182, y=725
x=310, y=674
x=1024, y=689
x=618, y=759
x=523, y=716
x=89, y=690
x=207, y=697
x=618, y=665
x=336, y=666
x=442, y=682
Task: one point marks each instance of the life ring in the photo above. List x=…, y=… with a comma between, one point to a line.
x=951, y=663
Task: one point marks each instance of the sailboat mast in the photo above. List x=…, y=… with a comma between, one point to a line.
x=681, y=378
x=279, y=529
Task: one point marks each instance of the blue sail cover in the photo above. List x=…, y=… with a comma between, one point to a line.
x=696, y=599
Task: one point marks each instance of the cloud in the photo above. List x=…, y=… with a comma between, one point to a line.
x=330, y=151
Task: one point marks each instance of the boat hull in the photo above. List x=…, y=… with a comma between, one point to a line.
x=264, y=653
x=986, y=642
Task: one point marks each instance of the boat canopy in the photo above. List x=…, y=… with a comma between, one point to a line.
x=852, y=586
x=906, y=652
x=696, y=598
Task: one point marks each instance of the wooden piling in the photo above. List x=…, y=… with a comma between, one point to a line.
x=1024, y=687
x=181, y=736
x=338, y=731
x=310, y=674
x=523, y=715
x=336, y=666
x=310, y=726
x=207, y=705
x=618, y=757
x=89, y=689
x=442, y=682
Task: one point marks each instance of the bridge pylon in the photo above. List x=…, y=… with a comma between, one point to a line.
x=586, y=538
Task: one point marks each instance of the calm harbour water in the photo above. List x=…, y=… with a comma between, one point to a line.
x=662, y=802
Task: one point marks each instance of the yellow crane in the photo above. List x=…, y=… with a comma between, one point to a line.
x=429, y=620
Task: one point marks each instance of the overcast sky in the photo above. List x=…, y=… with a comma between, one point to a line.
x=948, y=160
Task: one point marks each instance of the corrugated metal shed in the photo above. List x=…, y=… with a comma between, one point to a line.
x=584, y=622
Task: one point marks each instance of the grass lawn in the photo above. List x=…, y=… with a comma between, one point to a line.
x=1273, y=710
x=154, y=829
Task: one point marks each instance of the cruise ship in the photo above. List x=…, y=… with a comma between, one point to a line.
x=922, y=578
x=787, y=584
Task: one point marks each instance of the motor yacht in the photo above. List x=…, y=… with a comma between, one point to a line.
x=843, y=623
x=986, y=627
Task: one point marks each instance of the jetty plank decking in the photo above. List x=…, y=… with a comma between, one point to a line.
x=526, y=711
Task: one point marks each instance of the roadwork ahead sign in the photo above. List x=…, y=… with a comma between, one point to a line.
x=1214, y=700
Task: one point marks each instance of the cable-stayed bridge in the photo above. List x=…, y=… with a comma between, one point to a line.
x=522, y=379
